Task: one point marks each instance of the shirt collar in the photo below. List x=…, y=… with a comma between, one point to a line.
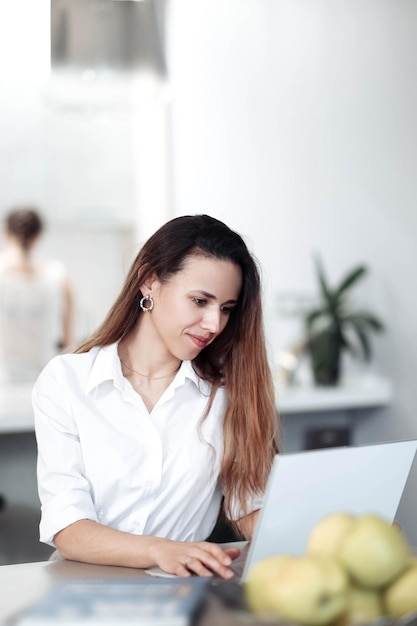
x=106, y=366
x=187, y=371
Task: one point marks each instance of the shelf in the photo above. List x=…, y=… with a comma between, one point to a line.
x=358, y=393
x=80, y=222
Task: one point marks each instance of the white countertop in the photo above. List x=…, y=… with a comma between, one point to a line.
x=354, y=393
x=16, y=413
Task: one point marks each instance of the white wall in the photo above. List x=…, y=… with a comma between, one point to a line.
x=294, y=121
x=89, y=150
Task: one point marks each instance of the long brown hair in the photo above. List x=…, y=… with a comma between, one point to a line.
x=237, y=358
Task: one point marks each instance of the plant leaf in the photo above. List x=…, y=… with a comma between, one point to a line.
x=365, y=319
x=348, y=345
x=324, y=286
x=350, y=279
x=314, y=317
x=366, y=346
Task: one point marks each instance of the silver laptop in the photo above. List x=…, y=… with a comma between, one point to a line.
x=303, y=487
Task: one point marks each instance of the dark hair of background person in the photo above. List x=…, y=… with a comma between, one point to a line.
x=25, y=224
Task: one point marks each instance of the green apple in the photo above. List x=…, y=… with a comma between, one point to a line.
x=374, y=552
x=261, y=573
x=364, y=605
x=310, y=590
x=327, y=534
x=400, y=598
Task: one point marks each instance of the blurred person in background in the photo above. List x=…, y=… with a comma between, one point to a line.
x=36, y=301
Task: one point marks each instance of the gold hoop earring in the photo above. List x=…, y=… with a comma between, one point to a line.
x=150, y=302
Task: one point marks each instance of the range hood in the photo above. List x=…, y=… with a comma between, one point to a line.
x=107, y=35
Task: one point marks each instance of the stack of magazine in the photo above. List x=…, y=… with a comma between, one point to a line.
x=111, y=602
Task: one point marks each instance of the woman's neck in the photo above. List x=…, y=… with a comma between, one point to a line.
x=149, y=372
x=141, y=357
x=18, y=259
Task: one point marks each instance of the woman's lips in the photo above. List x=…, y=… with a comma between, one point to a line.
x=200, y=342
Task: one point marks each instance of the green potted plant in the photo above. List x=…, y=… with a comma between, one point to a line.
x=334, y=326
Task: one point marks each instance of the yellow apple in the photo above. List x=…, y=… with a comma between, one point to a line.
x=374, y=552
x=327, y=534
x=260, y=574
x=400, y=598
x=364, y=605
x=309, y=590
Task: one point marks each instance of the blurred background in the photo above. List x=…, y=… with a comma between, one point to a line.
x=291, y=120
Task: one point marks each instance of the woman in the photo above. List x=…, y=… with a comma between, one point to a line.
x=165, y=412
x=36, y=303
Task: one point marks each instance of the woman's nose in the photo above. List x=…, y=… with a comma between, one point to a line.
x=212, y=321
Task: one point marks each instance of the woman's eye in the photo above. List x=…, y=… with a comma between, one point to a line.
x=226, y=310
x=199, y=301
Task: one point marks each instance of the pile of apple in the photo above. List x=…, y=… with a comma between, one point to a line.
x=355, y=569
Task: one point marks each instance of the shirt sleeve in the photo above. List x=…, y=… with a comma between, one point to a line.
x=64, y=491
x=253, y=503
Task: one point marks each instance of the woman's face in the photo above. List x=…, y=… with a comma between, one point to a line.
x=194, y=306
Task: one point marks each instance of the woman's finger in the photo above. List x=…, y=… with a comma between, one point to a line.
x=205, y=563
x=232, y=552
x=197, y=567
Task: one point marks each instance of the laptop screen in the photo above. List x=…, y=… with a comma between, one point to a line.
x=305, y=486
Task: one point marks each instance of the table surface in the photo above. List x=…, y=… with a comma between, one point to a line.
x=22, y=584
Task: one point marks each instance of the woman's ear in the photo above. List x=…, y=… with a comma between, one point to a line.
x=146, y=281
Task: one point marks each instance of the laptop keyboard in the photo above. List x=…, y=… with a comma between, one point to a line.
x=229, y=592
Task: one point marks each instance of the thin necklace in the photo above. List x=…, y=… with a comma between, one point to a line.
x=150, y=377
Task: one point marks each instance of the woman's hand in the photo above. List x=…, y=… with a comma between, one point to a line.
x=91, y=542
x=185, y=558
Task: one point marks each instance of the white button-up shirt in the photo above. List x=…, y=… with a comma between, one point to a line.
x=102, y=456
